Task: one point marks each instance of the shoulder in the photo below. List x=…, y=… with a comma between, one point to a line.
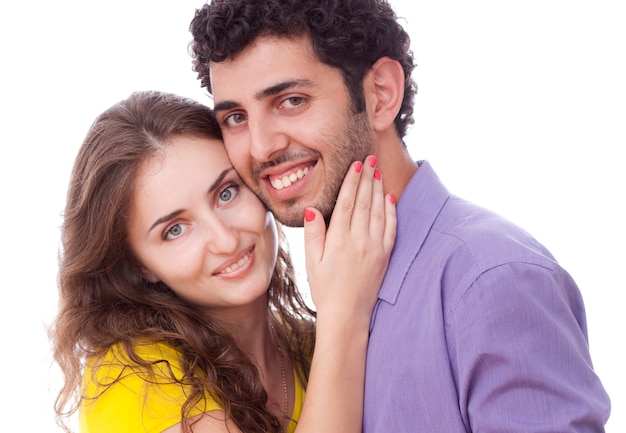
x=484, y=256
x=126, y=394
x=486, y=238
x=491, y=264
x=147, y=359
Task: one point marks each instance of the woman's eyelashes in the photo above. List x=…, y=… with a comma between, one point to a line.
x=228, y=193
x=174, y=231
x=225, y=195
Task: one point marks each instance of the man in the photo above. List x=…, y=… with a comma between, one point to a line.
x=477, y=327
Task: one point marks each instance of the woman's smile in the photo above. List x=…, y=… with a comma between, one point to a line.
x=237, y=267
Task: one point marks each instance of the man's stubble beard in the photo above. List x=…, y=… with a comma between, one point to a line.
x=353, y=143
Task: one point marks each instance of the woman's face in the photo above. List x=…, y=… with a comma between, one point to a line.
x=196, y=227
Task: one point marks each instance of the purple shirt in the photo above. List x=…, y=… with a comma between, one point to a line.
x=477, y=328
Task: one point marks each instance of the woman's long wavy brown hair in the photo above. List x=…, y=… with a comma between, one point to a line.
x=103, y=298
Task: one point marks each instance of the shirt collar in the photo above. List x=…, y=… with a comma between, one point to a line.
x=418, y=207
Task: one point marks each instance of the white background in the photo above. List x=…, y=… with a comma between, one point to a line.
x=521, y=108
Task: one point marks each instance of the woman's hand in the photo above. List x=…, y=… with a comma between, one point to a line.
x=346, y=263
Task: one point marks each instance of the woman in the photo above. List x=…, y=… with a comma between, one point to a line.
x=178, y=307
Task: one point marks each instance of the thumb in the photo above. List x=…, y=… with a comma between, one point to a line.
x=314, y=237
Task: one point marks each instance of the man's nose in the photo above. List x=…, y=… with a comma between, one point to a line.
x=267, y=140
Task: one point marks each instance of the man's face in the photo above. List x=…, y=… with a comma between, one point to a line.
x=288, y=125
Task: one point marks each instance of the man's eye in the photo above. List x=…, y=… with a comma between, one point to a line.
x=234, y=119
x=293, y=101
x=228, y=193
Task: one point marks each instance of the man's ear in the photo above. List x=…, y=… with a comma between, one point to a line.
x=148, y=274
x=384, y=92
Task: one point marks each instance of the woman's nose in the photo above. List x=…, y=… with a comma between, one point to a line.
x=222, y=237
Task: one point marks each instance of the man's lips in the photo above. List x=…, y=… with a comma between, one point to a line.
x=289, y=177
x=288, y=180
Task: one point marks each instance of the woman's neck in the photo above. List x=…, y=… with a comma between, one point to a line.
x=251, y=329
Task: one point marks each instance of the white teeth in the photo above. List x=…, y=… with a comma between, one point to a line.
x=287, y=181
x=240, y=262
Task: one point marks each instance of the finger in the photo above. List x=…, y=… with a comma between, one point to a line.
x=391, y=223
x=314, y=238
x=377, y=208
x=342, y=213
x=363, y=201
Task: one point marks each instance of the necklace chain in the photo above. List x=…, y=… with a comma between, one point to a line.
x=282, y=368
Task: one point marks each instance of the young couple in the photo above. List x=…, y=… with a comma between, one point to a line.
x=178, y=306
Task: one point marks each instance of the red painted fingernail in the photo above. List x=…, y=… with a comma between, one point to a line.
x=392, y=199
x=377, y=174
x=372, y=161
x=358, y=166
x=309, y=215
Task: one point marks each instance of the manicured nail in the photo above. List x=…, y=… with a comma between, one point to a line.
x=309, y=215
x=358, y=166
x=392, y=199
x=372, y=161
x=377, y=174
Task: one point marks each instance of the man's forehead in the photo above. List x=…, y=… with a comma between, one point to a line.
x=267, y=66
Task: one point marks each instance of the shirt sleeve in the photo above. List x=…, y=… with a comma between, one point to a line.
x=139, y=401
x=519, y=352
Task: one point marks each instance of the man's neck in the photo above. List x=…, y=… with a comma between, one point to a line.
x=396, y=165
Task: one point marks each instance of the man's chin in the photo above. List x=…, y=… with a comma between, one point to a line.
x=291, y=212
x=288, y=215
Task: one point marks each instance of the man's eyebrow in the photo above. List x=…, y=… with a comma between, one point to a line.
x=281, y=87
x=267, y=92
x=226, y=105
x=212, y=188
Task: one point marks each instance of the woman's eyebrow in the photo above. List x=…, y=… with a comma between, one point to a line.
x=212, y=188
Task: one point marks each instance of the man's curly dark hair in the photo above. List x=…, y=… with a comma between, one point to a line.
x=348, y=34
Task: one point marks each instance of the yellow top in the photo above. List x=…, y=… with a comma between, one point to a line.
x=140, y=401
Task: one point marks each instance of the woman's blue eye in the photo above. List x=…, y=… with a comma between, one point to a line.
x=228, y=193
x=173, y=232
